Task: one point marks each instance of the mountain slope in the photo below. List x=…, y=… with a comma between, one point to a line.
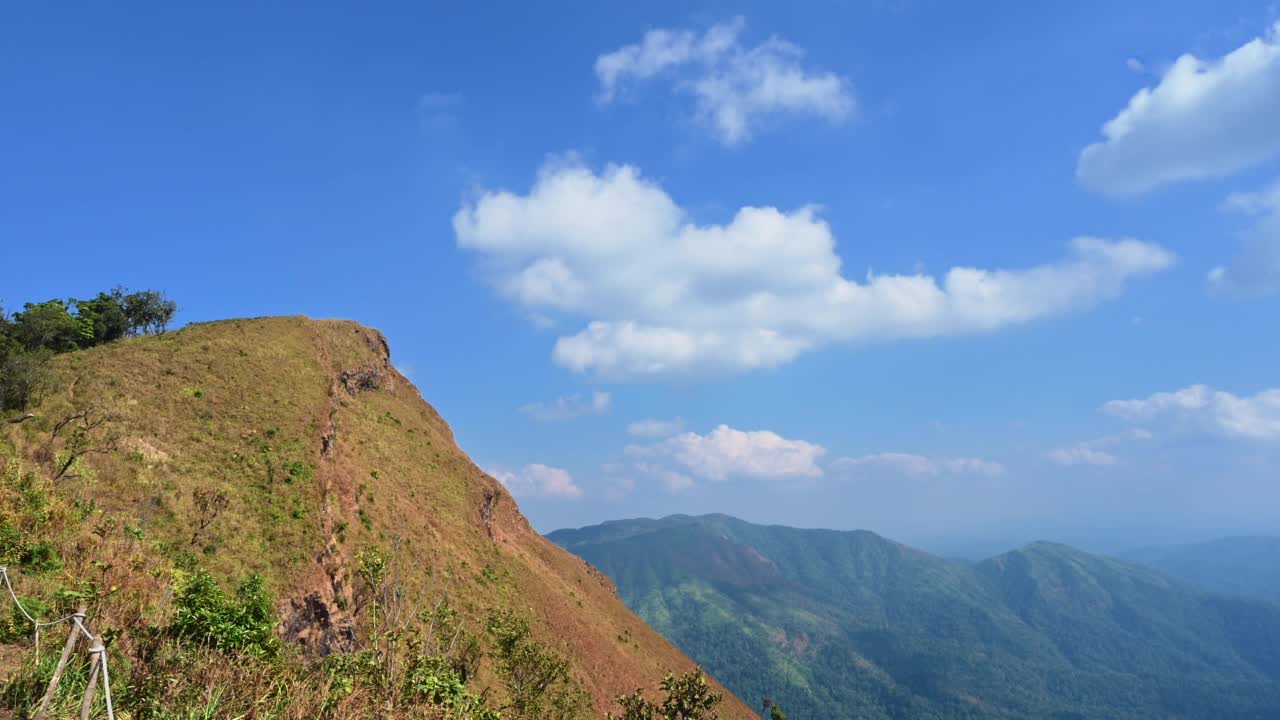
x=323, y=453
x=851, y=625
x=1247, y=566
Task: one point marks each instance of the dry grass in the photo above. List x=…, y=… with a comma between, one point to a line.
x=245, y=407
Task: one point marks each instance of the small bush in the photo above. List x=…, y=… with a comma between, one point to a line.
x=40, y=558
x=537, y=679
x=297, y=470
x=689, y=697
x=16, y=626
x=437, y=681
x=206, y=615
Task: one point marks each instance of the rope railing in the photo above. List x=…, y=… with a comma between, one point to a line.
x=97, y=656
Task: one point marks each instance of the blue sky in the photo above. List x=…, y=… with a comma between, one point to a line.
x=937, y=270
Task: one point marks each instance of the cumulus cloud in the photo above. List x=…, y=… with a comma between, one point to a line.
x=734, y=87
x=536, y=480
x=567, y=408
x=1255, y=270
x=1256, y=417
x=650, y=427
x=1203, y=119
x=920, y=465
x=726, y=452
x=663, y=295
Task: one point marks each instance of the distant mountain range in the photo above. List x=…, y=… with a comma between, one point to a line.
x=1248, y=566
x=842, y=625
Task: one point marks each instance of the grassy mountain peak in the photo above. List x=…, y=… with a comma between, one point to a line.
x=291, y=449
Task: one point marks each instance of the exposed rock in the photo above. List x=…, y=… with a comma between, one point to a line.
x=361, y=379
x=309, y=623
x=486, y=510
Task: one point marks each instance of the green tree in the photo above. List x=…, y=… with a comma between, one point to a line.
x=102, y=320
x=46, y=325
x=8, y=345
x=24, y=378
x=148, y=311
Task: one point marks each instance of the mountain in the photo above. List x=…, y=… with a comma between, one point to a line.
x=1248, y=566
x=291, y=449
x=844, y=625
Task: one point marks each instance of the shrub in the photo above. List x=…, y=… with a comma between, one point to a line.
x=436, y=680
x=206, y=615
x=537, y=679
x=24, y=379
x=40, y=558
x=689, y=697
x=17, y=627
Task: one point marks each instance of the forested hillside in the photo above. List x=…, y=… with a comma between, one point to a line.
x=851, y=625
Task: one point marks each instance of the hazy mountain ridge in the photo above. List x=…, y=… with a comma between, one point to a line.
x=855, y=625
x=1247, y=565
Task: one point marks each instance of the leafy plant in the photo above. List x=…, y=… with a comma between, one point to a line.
x=689, y=697
x=205, y=614
x=537, y=679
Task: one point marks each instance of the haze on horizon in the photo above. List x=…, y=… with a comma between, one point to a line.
x=964, y=277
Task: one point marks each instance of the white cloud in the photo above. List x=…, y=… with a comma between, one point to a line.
x=920, y=465
x=733, y=87
x=663, y=295
x=1255, y=269
x=726, y=452
x=1090, y=452
x=673, y=480
x=1204, y=119
x=536, y=480
x=1081, y=454
x=567, y=408
x=1256, y=417
x=650, y=427
x=1135, y=65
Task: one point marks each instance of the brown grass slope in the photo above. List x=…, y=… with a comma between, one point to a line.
x=323, y=450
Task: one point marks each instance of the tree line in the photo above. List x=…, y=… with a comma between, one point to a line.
x=28, y=338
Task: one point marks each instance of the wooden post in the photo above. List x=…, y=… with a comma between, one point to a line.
x=72, y=637
x=95, y=661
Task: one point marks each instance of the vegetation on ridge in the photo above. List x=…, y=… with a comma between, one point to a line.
x=40, y=330
x=263, y=520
